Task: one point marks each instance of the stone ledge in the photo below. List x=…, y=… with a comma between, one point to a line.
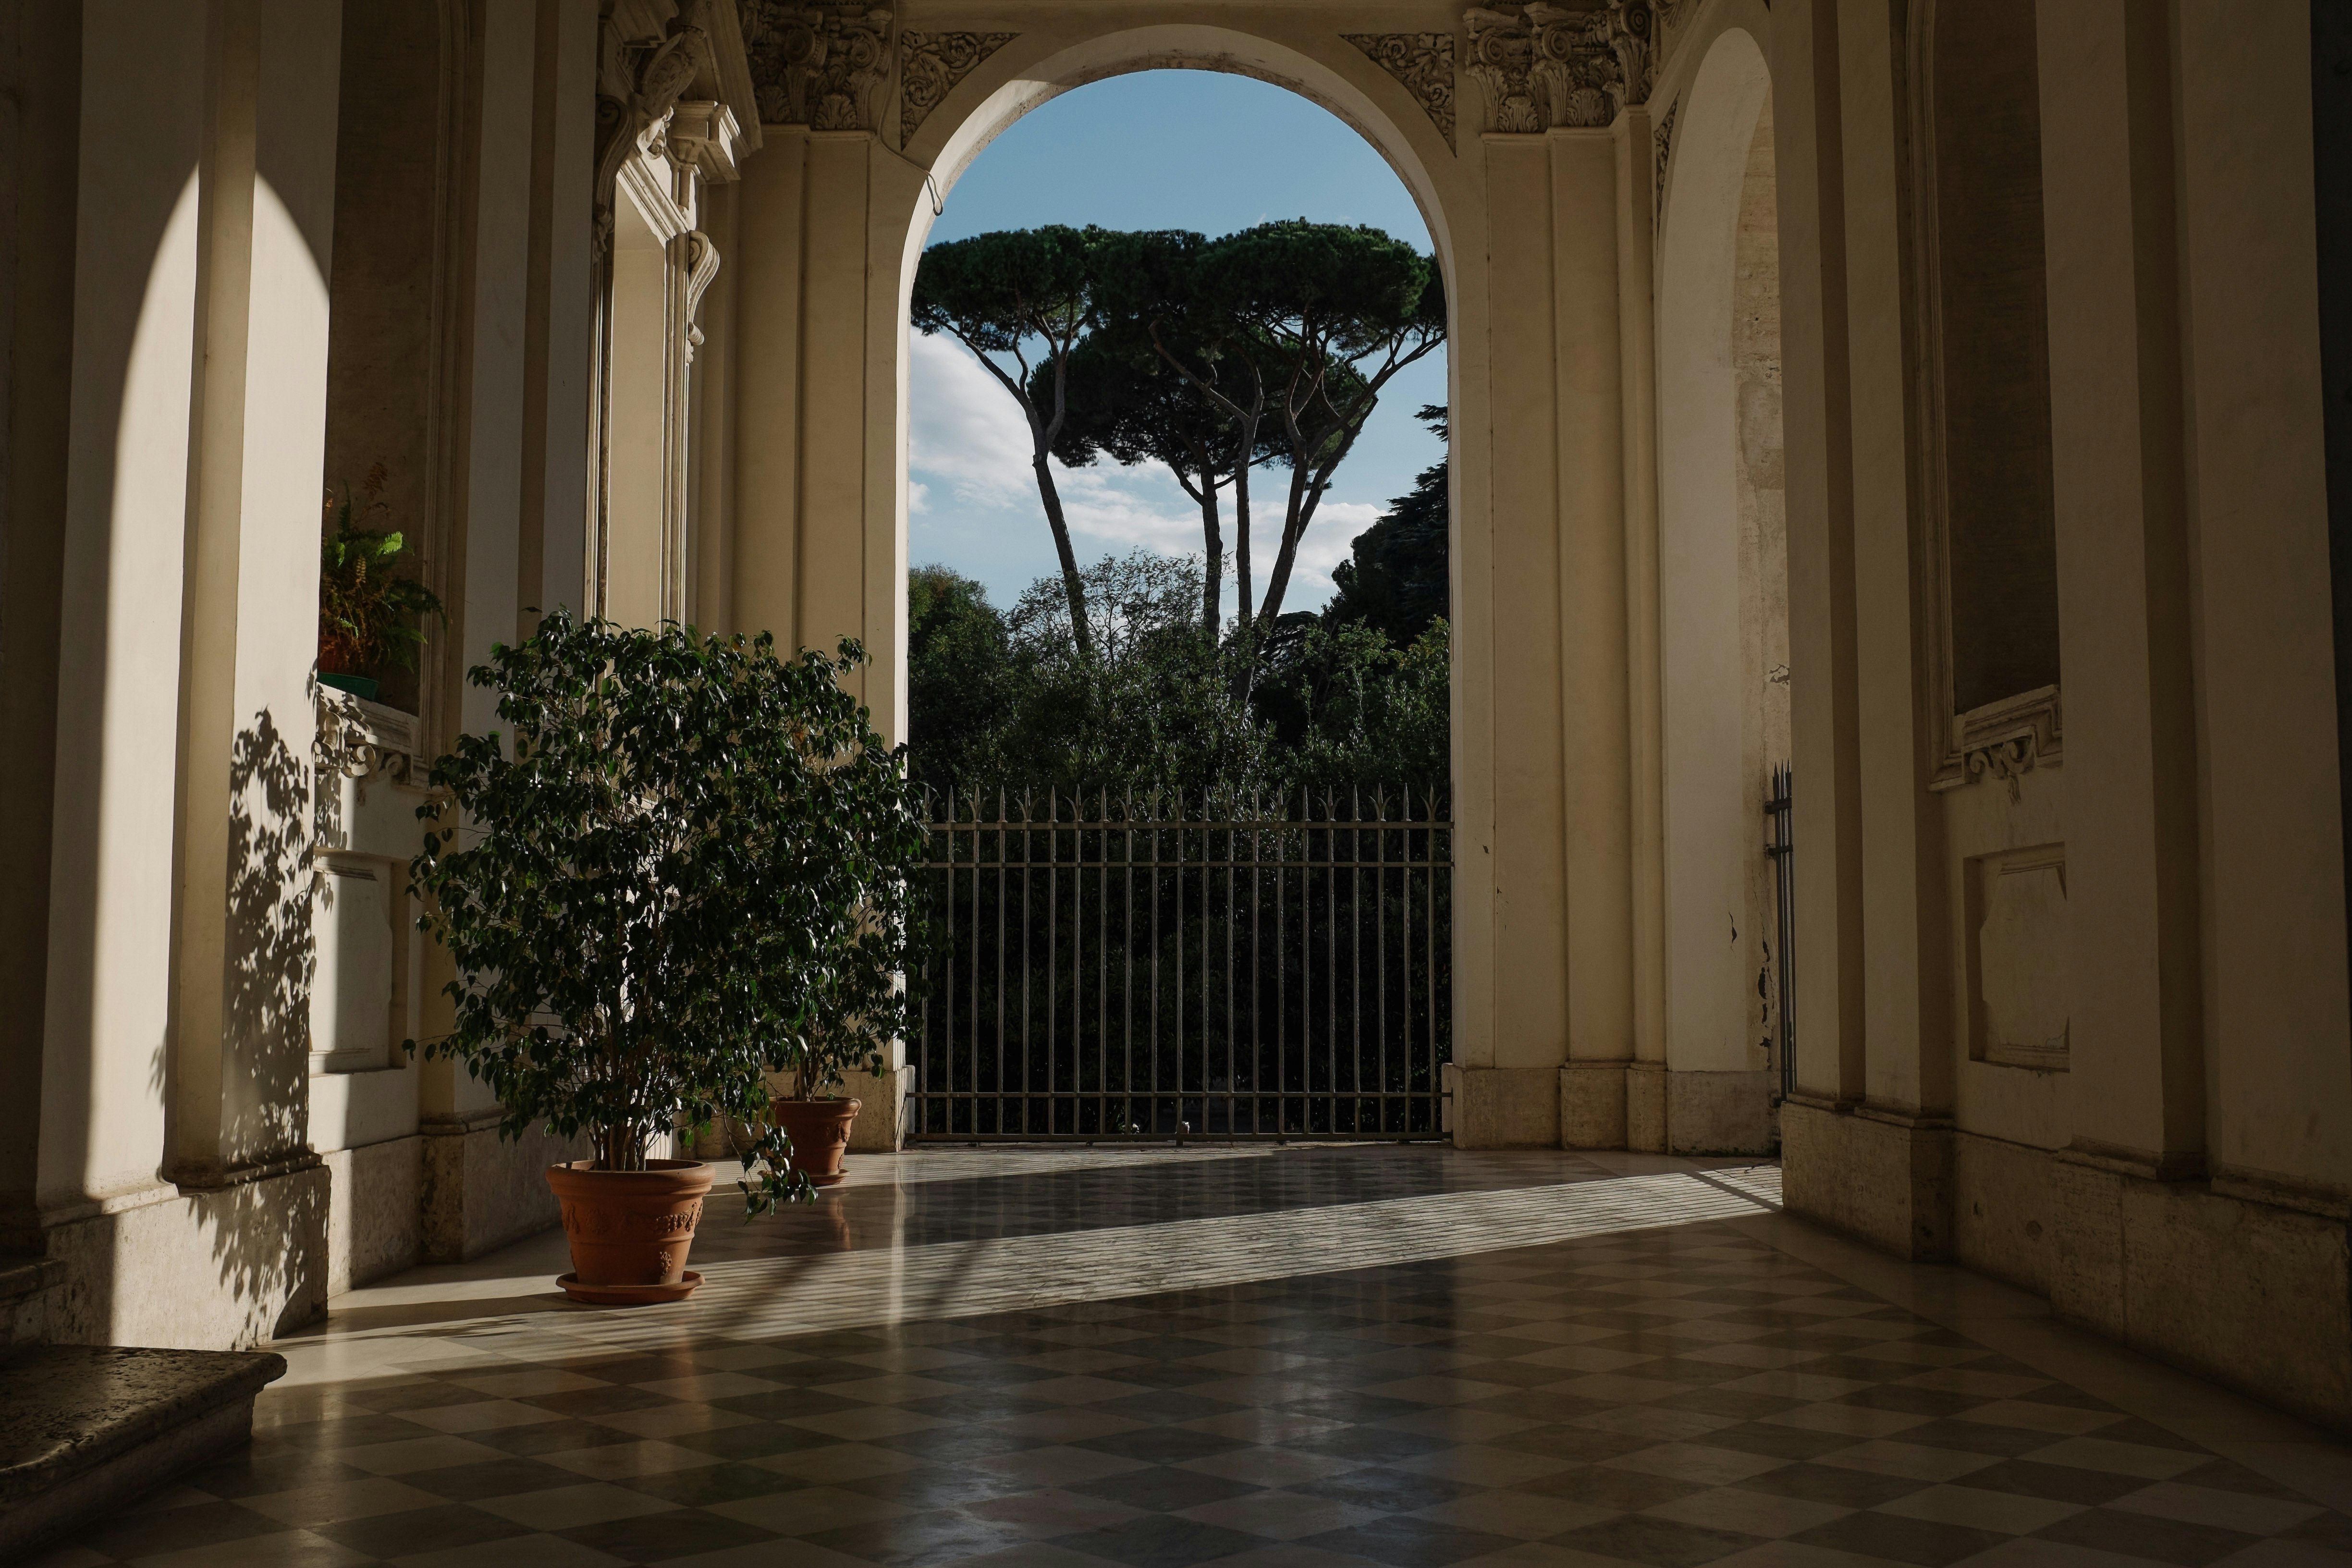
x=94, y=1425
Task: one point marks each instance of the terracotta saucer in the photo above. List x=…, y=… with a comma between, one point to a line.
x=629, y=1295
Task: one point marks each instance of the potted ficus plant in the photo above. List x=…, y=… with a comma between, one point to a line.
x=815, y=1120
x=682, y=860
x=370, y=612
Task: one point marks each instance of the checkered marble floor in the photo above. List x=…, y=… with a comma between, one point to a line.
x=1299, y=1357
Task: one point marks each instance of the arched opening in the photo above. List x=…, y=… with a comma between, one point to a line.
x=1225, y=1069
x=1723, y=601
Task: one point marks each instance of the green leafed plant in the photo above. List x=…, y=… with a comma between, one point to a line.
x=369, y=613
x=686, y=864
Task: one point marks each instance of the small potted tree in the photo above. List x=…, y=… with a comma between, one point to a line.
x=369, y=613
x=814, y=1120
x=680, y=863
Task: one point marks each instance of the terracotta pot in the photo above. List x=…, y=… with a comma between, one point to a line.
x=819, y=1129
x=630, y=1229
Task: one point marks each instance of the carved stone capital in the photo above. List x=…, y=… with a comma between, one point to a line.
x=820, y=64
x=929, y=66
x=1545, y=67
x=1423, y=63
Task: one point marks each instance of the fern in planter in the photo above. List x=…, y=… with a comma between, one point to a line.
x=369, y=613
x=685, y=861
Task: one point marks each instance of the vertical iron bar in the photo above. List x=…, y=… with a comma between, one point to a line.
x=1379, y=943
x=1429, y=939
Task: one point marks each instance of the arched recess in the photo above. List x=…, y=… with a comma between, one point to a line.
x=1722, y=596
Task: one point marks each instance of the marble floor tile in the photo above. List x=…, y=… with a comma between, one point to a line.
x=1261, y=1358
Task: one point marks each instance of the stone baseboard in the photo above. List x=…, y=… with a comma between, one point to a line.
x=2252, y=1294
x=881, y=1124
x=26, y=1285
x=1882, y=1180
x=1721, y=1113
x=195, y=1269
x=482, y=1190
x=2247, y=1293
x=374, y=1211
x=1592, y=1105
x=1502, y=1107
x=1645, y=1106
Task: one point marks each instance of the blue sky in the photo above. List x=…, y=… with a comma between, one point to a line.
x=1165, y=149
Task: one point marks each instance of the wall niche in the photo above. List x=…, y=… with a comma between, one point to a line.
x=2018, y=1008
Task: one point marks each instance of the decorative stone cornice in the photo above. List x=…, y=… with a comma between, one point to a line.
x=1424, y=62
x=931, y=63
x=820, y=64
x=1544, y=67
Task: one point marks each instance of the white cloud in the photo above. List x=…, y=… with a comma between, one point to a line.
x=968, y=439
x=964, y=429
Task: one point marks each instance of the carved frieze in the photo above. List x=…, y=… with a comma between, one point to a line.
x=2003, y=741
x=931, y=63
x=821, y=64
x=1423, y=63
x=1544, y=67
x=2008, y=760
x=1665, y=138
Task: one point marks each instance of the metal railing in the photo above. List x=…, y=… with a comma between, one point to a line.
x=1781, y=844
x=1101, y=967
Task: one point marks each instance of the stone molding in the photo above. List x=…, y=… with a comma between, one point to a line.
x=1545, y=67
x=1422, y=63
x=821, y=65
x=930, y=67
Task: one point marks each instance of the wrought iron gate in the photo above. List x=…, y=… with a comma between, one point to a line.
x=1099, y=968
x=1779, y=843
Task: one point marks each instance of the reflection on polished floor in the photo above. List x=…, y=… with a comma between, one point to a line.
x=1325, y=1356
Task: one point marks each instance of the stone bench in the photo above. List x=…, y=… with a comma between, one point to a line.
x=89, y=1427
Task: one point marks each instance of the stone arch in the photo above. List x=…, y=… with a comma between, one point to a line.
x=1012, y=81
x=1722, y=595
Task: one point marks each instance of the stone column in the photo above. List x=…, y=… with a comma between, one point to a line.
x=817, y=349
x=1816, y=411
x=1884, y=1170
x=2136, y=1029
x=480, y=1192
x=1596, y=262
x=1506, y=1087
x=38, y=163
x=249, y=612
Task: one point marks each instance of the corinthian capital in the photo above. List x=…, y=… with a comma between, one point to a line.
x=818, y=63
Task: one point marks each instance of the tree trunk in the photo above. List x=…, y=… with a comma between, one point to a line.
x=1072, y=586
x=1241, y=539
x=1212, y=582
